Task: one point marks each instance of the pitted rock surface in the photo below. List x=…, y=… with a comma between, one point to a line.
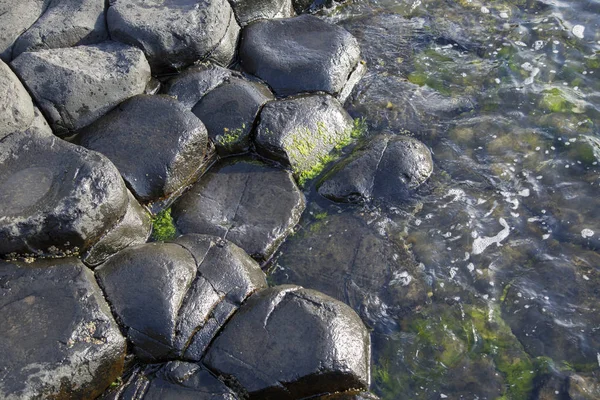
x=16, y=108
x=65, y=23
x=174, y=34
x=248, y=11
x=249, y=203
x=190, y=289
x=287, y=342
x=300, y=54
x=59, y=339
x=229, y=111
x=55, y=197
x=75, y=86
x=301, y=131
x=385, y=169
x=168, y=141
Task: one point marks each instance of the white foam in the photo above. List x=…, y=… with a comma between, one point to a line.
x=578, y=31
x=482, y=243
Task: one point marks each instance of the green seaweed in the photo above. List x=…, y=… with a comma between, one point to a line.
x=554, y=101
x=162, y=226
x=230, y=136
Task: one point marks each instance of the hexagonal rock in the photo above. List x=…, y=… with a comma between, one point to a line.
x=229, y=111
x=300, y=54
x=302, y=131
x=248, y=11
x=16, y=108
x=15, y=18
x=75, y=86
x=177, y=33
x=386, y=169
x=287, y=342
x=59, y=339
x=249, y=203
x=65, y=23
x=55, y=197
x=174, y=380
x=190, y=289
x=155, y=142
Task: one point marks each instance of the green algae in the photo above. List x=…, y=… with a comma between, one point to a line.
x=230, y=136
x=163, y=227
x=554, y=100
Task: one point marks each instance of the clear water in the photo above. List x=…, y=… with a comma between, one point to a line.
x=487, y=283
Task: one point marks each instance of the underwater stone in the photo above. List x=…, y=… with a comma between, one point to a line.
x=287, y=342
x=16, y=108
x=155, y=142
x=75, y=86
x=59, y=339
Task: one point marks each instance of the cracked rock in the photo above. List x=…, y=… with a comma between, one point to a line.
x=249, y=203
x=168, y=141
x=287, y=342
x=16, y=108
x=388, y=168
x=75, y=86
x=59, y=339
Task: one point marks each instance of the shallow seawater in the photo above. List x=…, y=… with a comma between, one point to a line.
x=486, y=283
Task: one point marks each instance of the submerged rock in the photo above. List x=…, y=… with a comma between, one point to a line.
x=386, y=169
x=249, y=203
x=16, y=108
x=301, y=54
x=55, y=197
x=155, y=142
x=229, y=111
x=302, y=131
x=76, y=86
x=175, y=34
x=15, y=18
x=59, y=339
x=248, y=11
x=191, y=287
x=287, y=342
x=65, y=23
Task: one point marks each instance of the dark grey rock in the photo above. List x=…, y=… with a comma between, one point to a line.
x=387, y=168
x=15, y=18
x=16, y=108
x=190, y=289
x=65, y=23
x=55, y=197
x=193, y=83
x=75, y=86
x=177, y=33
x=302, y=131
x=301, y=54
x=168, y=144
x=133, y=229
x=287, y=342
x=351, y=395
x=59, y=339
x=229, y=111
x=248, y=11
x=224, y=53
x=253, y=205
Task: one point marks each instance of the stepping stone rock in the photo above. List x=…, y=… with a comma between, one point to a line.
x=76, y=86
x=177, y=33
x=15, y=18
x=248, y=11
x=386, y=169
x=59, y=339
x=302, y=131
x=174, y=380
x=190, y=289
x=251, y=204
x=229, y=111
x=65, y=23
x=16, y=108
x=55, y=197
x=300, y=54
x=287, y=342
x=155, y=142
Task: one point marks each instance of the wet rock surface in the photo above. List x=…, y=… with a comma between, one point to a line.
x=191, y=288
x=249, y=203
x=55, y=197
x=229, y=111
x=291, y=56
x=75, y=86
x=302, y=131
x=59, y=339
x=248, y=11
x=287, y=342
x=387, y=168
x=168, y=141
x=175, y=34
x=16, y=108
